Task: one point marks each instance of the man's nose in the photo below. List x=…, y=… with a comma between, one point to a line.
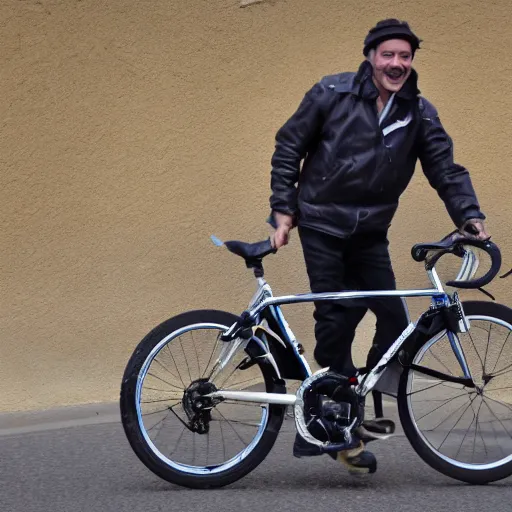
x=396, y=62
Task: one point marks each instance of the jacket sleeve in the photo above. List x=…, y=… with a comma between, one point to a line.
x=292, y=142
x=452, y=181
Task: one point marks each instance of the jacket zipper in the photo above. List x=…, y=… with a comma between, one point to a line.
x=380, y=120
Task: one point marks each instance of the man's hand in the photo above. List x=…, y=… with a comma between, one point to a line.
x=475, y=229
x=284, y=225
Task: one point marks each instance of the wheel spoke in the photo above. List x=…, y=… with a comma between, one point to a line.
x=211, y=355
x=164, y=367
x=228, y=377
x=439, y=406
x=186, y=361
x=504, y=404
x=498, y=389
x=177, y=369
x=178, y=441
x=155, y=412
x=171, y=409
x=477, y=353
x=162, y=400
x=501, y=351
x=439, y=361
x=442, y=383
x=245, y=423
x=500, y=422
x=425, y=389
x=503, y=371
x=162, y=390
x=159, y=423
x=467, y=431
x=488, y=341
x=164, y=381
x=197, y=357
x=495, y=435
x=457, y=422
x=447, y=417
x=233, y=428
x=476, y=430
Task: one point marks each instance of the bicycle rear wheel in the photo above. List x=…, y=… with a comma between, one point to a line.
x=465, y=433
x=197, y=448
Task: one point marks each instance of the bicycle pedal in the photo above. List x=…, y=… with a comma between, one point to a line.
x=367, y=436
x=377, y=429
x=380, y=426
x=358, y=461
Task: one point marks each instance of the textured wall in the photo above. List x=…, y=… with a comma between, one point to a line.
x=132, y=130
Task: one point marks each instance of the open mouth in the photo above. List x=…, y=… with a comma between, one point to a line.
x=395, y=76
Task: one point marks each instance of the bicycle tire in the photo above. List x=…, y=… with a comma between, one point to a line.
x=129, y=416
x=472, y=476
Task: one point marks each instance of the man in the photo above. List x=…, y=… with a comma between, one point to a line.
x=359, y=136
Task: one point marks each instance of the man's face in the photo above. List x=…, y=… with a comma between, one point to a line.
x=392, y=64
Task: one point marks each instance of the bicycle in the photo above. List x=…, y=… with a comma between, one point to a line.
x=239, y=386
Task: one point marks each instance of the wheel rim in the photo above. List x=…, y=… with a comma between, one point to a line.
x=172, y=389
x=477, y=422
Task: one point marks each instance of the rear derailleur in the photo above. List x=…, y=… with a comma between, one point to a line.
x=197, y=406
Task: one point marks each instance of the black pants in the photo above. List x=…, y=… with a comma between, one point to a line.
x=360, y=262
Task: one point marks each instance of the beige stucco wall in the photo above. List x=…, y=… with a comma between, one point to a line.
x=132, y=130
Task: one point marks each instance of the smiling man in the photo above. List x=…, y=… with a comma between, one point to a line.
x=358, y=137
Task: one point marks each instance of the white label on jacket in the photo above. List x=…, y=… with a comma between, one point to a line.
x=401, y=123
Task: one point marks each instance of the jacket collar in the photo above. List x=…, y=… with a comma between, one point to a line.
x=363, y=84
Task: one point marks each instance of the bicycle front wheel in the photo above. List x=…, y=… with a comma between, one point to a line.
x=170, y=434
x=464, y=432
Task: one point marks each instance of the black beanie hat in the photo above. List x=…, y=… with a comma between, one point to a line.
x=390, y=29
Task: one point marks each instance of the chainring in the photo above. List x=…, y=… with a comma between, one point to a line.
x=330, y=406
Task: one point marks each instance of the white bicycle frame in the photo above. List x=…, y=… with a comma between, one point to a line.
x=263, y=298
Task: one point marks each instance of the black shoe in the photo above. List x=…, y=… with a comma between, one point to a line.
x=358, y=460
x=301, y=448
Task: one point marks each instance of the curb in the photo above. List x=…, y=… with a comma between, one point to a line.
x=14, y=423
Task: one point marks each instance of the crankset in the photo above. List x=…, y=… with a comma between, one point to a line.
x=328, y=411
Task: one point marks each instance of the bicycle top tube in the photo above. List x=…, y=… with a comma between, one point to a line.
x=310, y=297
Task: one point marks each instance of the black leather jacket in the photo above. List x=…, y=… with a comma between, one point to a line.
x=354, y=170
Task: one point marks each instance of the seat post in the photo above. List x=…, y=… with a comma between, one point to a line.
x=258, y=270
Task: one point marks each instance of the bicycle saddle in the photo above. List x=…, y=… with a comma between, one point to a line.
x=252, y=253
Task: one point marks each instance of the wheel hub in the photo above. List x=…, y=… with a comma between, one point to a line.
x=198, y=407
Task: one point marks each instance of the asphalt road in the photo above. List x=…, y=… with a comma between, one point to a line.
x=85, y=464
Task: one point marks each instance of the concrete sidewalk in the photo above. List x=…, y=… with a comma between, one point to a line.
x=57, y=418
